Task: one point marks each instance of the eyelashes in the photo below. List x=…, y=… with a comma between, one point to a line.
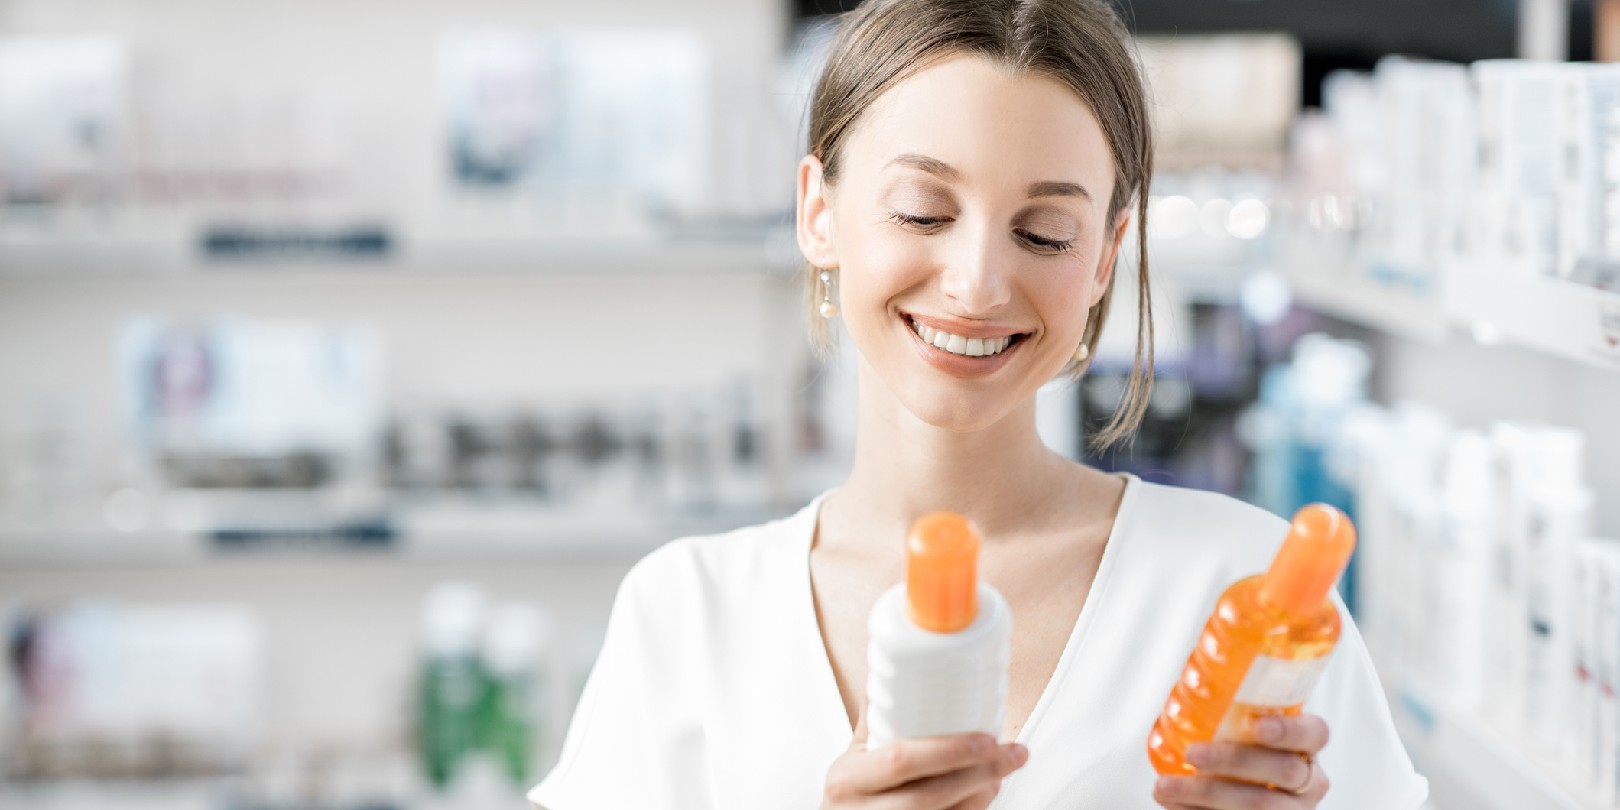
x=917, y=221
x=931, y=224
x=1053, y=245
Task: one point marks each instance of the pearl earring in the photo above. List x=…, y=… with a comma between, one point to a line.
x=1082, y=353
x=828, y=309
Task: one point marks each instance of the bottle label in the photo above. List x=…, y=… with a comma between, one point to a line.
x=1274, y=686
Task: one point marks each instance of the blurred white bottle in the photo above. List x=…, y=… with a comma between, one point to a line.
x=1513, y=443
x=1606, y=589
x=1463, y=546
x=1560, y=515
x=1416, y=458
x=1583, y=626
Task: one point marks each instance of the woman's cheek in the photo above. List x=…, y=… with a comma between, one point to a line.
x=1069, y=292
x=892, y=264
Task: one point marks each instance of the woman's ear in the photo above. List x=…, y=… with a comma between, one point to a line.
x=1110, y=255
x=814, y=215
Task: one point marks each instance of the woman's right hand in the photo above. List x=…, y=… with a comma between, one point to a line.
x=956, y=772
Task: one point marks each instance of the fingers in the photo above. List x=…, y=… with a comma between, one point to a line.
x=980, y=800
x=904, y=761
x=1305, y=734
x=1234, y=776
x=1250, y=763
x=965, y=788
x=1212, y=793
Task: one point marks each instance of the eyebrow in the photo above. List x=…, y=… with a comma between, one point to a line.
x=924, y=163
x=1054, y=189
x=945, y=171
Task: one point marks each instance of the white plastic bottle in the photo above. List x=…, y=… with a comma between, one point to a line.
x=1513, y=443
x=1583, y=620
x=937, y=658
x=1607, y=654
x=1463, y=549
x=1560, y=511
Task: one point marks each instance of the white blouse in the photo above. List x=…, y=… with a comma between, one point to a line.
x=713, y=688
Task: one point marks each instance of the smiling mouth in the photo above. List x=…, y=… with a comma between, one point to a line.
x=964, y=346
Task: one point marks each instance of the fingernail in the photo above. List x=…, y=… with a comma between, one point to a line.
x=1269, y=730
x=1198, y=755
x=1020, y=754
x=1167, y=786
x=981, y=744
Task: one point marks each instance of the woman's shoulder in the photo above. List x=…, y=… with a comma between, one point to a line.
x=716, y=565
x=1182, y=523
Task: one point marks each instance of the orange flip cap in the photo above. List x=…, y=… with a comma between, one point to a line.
x=942, y=572
x=1312, y=556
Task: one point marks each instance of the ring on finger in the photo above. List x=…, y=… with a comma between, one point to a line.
x=1310, y=776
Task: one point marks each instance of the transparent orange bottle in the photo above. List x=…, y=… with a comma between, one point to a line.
x=1265, y=644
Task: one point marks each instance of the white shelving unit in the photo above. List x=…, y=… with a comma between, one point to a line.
x=1471, y=761
x=434, y=536
x=1491, y=301
x=1346, y=292
x=1465, y=307
x=115, y=258
x=1551, y=315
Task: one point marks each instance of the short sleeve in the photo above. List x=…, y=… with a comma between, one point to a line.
x=1364, y=758
x=631, y=744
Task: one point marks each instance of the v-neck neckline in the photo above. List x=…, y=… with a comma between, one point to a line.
x=830, y=699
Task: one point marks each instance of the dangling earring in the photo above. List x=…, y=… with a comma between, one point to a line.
x=828, y=309
x=1082, y=353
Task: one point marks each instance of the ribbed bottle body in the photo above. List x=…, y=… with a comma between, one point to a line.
x=1250, y=662
x=922, y=684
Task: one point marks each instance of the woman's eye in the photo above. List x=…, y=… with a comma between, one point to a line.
x=1043, y=243
x=916, y=221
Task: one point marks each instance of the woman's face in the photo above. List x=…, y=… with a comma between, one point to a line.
x=969, y=227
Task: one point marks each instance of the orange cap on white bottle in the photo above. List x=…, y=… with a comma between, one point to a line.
x=942, y=572
x=1312, y=556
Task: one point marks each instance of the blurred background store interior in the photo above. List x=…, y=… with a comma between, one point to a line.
x=351, y=352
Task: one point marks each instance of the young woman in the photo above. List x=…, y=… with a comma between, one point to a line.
x=973, y=168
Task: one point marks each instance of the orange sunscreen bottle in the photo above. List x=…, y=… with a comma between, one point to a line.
x=937, y=655
x=1264, y=647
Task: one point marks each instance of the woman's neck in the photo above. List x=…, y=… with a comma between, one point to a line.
x=1002, y=476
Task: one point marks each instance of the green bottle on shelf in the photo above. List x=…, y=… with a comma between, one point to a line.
x=512, y=710
x=452, y=684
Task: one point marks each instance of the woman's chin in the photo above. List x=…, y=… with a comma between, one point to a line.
x=957, y=414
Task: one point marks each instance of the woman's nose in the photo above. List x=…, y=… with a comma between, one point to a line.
x=975, y=274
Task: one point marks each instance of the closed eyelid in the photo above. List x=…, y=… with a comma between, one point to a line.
x=1051, y=224
x=916, y=195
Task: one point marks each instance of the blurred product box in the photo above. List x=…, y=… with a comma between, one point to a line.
x=118, y=690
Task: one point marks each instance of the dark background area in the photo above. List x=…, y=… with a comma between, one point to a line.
x=1338, y=34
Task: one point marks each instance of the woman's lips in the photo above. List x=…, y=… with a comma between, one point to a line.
x=977, y=338
x=964, y=328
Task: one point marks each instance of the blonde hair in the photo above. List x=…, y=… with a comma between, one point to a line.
x=1081, y=43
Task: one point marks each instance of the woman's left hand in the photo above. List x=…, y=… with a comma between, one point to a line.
x=1233, y=776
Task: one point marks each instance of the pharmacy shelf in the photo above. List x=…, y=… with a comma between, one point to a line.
x=1494, y=302
x=132, y=258
x=1549, y=315
x=125, y=794
x=753, y=254
x=1351, y=292
x=1470, y=763
x=470, y=535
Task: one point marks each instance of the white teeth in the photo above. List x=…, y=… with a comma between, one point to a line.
x=956, y=344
